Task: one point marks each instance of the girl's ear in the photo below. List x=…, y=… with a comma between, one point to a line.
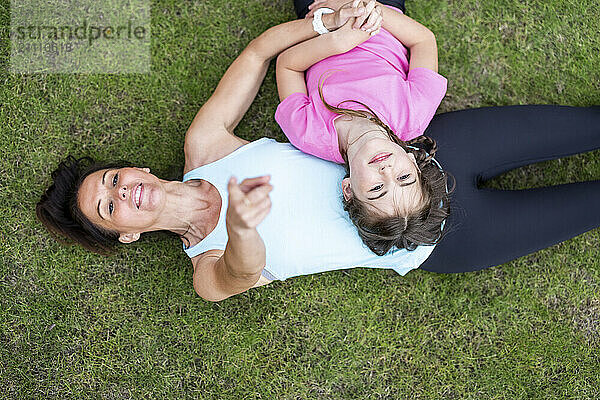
x=346, y=189
x=414, y=161
x=128, y=237
x=146, y=170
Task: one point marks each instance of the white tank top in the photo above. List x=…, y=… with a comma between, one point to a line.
x=307, y=230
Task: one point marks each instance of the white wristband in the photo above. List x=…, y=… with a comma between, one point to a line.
x=318, y=22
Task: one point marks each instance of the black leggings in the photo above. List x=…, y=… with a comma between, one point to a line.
x=488, y=226
x=301, y=6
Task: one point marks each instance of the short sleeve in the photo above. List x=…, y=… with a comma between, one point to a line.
x=304, y=127
x=427, y=89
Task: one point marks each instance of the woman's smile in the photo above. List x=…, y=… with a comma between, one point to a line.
x=137, y=195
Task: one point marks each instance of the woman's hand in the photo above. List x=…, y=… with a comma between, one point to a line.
x=333, y=4
x=249, y=203
x=237, y=269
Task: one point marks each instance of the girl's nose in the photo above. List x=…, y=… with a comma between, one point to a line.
x=123, y=192
x=385, y=171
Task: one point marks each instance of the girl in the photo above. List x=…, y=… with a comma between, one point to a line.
x=363, y=103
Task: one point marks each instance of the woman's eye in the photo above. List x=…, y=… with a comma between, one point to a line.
x=111, y=207
x=376, y=188
x=403, y=177
x=115, y=179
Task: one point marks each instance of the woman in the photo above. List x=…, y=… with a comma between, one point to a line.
x=217, y=217
x=243, y=235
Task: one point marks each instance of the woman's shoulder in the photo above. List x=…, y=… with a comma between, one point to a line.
x=200, y=153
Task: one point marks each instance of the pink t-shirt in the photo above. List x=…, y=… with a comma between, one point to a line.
x=374, y=73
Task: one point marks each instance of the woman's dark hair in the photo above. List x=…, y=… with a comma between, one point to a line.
x=60, y=214
x=422, y=226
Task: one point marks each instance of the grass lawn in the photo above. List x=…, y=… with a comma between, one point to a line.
x=77, y=325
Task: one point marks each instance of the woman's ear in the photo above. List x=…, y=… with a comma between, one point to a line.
x=346, y=189
x=128, y=237
x=146, y=170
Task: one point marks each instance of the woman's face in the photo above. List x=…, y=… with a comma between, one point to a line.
x=384, y=176
x=126, y=200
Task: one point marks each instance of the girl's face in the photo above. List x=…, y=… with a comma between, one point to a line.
x=384, y=176
x=126, y=200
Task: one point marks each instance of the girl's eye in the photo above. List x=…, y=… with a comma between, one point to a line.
x=115, y=179
x=403, y=177
x=376, y=188
x=111, y=207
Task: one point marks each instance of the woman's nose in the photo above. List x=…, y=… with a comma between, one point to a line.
x=123, y=192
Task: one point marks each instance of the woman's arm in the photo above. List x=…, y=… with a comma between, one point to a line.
x=419, y=40
x=292, y=63
x=218, y=275
x=213, y=126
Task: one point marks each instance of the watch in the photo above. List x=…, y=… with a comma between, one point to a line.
x=318, y=22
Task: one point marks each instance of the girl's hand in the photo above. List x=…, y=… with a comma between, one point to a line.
x=368, y=14
x=347, y=37
x=351, y=9
x=371, y=19
x=249, y=203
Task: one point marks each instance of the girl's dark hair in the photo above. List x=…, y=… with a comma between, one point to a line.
x=59, y=212
x=422, y=226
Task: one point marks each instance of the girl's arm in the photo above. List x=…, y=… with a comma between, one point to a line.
x=292, y=63
x=419, y=40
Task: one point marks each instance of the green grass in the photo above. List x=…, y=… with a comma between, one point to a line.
x=76, y=325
